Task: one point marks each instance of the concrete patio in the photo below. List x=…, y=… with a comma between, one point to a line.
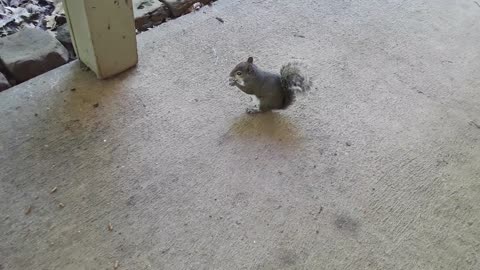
x=377, y=168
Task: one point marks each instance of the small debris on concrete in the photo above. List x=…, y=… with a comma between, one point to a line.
x=110, y=227
x=348, y=144
x=84, y=67
x=197, y=6
x=220, y=19
x=53, y=190
x=473, y=123
x=36, y=114
x=28, y=210
x=61, y=205
x=95, y=105
x=298, y=35
x=73, y=89
x=116, y=264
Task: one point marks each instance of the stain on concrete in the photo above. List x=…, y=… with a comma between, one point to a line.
x=240, y=200
x=283, y=258
x=346, y=223
x=272, y=126
x=132, y=201
x=288, y=257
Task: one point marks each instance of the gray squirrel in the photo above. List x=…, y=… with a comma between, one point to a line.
x=275, y=91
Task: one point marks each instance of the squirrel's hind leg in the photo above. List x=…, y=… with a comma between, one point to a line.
x=254, y=107
x=252, y=110
x=264, y=106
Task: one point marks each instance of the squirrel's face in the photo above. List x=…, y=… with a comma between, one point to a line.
x=241, y=73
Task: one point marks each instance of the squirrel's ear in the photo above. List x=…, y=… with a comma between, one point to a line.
x=250, y=60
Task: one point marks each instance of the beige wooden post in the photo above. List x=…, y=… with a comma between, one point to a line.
x=103, y=34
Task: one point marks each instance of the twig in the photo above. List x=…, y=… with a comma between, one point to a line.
x=28, y=210
x=474, y=124
x=477, y=3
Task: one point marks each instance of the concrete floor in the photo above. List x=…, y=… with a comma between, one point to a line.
x=378, y=168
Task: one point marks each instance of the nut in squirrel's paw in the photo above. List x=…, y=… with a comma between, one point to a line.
x=275, y=91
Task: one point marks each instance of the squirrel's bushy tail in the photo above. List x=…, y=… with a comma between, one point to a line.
x=293, y=82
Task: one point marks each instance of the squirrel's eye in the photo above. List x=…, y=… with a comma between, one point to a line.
x=239, y=73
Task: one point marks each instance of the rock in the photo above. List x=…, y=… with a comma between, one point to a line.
x=149, y=13
x=4, y=84
x=31, y=52
x=63, y=35
x=180, y=7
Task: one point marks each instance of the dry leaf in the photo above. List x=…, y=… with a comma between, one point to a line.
x=28, y=210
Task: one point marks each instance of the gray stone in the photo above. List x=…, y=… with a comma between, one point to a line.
x=31, y=52
x=180, y=7
x=149, y=13
x=63, y=35
x=4, y=84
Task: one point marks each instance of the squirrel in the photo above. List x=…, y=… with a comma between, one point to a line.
x=274, y=91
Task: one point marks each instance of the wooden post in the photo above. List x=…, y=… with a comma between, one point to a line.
x=103, y=34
